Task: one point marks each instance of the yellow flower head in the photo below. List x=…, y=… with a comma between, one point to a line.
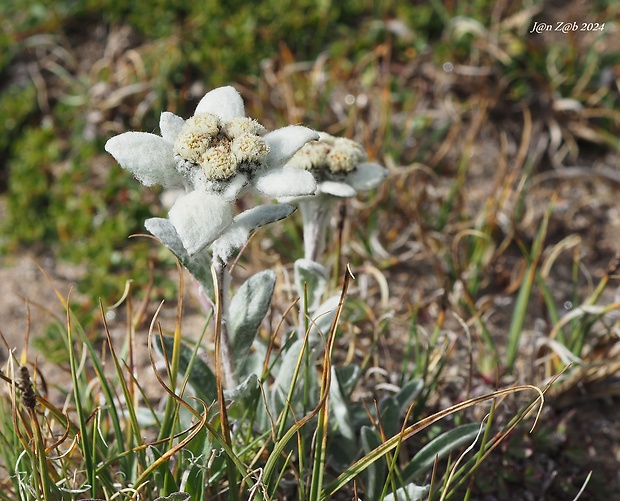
x=221, y=149
x=335, y=154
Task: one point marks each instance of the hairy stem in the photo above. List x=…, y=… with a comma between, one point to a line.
x=315, y=216
x=226, y=354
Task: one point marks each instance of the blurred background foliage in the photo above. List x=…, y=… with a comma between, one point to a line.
x=394, y=75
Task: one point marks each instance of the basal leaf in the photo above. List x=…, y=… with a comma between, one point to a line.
x=376, y=472
x=410, y=492
x=314, y=276
x=441, y=447
x=201, y=377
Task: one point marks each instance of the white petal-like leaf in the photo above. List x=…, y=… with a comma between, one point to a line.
x=259, y=216
x=147, y=156
x=246, y=312
x=232, y=239
x=238, y=233
x=224, y=102
x=366, y=176
x=337, y=189
x=170, y=125
x=199, y=218
x=235, y=187
x=285, y=142
x=199, y=265
x=285, y=182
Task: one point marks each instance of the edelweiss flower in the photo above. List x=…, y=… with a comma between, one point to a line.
x=215, y=155
x=341, y=169
x=339, y=165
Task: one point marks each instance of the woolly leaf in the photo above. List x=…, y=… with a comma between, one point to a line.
x=199, y=265
x=236, y=236
x=340, y=409
x=246, y=312
x=314, y=276
x=375, y=473
x=440, y=447
x=244, y=390
x=408, y=393
x=410, y=492
x=322, y=319
x=175, y=496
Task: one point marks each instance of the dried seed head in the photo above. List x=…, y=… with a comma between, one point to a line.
x=25, y=385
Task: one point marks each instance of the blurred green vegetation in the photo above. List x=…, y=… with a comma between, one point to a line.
x=65, y=88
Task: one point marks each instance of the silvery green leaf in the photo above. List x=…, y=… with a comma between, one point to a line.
x=146, y=417
x=195, y=475
x=410, y=492
x=408, y=393
x=440, y=447
x=244, y=390
x=199, y=265
x=262, y=215
x=340, y=409
x=314, y=276
x=236, y=236
x=322, y=319
x=367, y=176
x=348, y=376
x=175, y=496
x=286, y=372
x=167, y=235
x=255, y=362
x=201, y=376
x=375, y=473
x=390, y=416
x=246, y=312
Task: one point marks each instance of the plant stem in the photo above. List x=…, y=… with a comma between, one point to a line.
x=315, y=216
x=226, y=354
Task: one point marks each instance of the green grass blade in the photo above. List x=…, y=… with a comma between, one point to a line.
x=520, y=311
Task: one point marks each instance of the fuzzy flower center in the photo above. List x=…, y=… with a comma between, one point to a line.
x=221, y=149
x=337, y=155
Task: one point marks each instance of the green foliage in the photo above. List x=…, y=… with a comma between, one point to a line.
x=58, y=200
